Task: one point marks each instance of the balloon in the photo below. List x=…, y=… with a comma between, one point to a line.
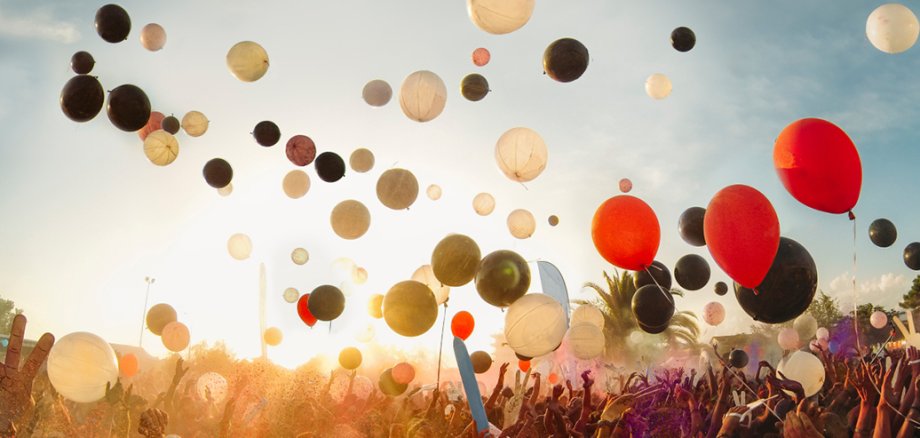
x=786, y=291
x=350, y=358
x=658, y=86
x=359, y=276
x=82, y=98
x=883, y=233
x=161, y=148
x=273, y=336
x=738, y=359
x=239, y=246
x=625, y=185
x=586, y=341
x=461, y=325
x=375, y=306
x=534, y=325
x=326, y=302
x=303, y=310
x=409, y=308
x=692, y=272
x=892, y=28
x=158, y=316
x=588, y=314
x=805, y=326
x=330, y=167
x=713, y=313
x=657, y=273
x=878, y=319
x=499, y=17
x=247, y=61
x=175, y=336
x=366, y=335
x=389, y=386
x=422, y=96
x=483, y=204
x=113, y=23
x=296, y=184
x=805, y=368
x=217, y=173
x=424, y=274
x=565, y=60
x=361, y=160
x=455, y=260
x=652, y=306
x=127, y=365
x=481, y=56
x=267, y=133
x=788, y=339
x=301, y=151
x=225, y=191
x=523, y=365
x=626, y=233
x=291, y=295
x=742, y=233
x=683, y=39
x=524, y=358
x=521, y=154
x=300, y=256
x=377, y=93
x=170, y=124
x=350, y=219
x=912, y=256
x=153, y=37
x=80, y=365
x=481, y=361
x=690, y=226
x=503, y=277
x=822, y=333
x=521, y=223
x=721, y=288
x=195, y=123
x=553, y=220
x=397, y=189
x=128, y=108
x=403, y=373
x=212, y=385
x=474, y=87
x=154, y=123
x=433, y=192
x=819, y=165
x=82, y=62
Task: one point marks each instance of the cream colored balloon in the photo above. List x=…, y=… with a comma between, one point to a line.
x=377, y=92
x=521, y=154
x=534, y=325
x=291, y=295
x=788, y=339
x=587, y=313
x=397, y=189
x=483, y=204
x=806, y=326
x=359, y=276
x=805, y=368
x=361, y=160
x=225, y=190
x=248, y=61
x=434, y=192
x=500, y=16
x=586, y=340
x=161, y=148
x=296, y=184
x=422, y=96
x=521, y=223
x=892, y=28
x=175, y=336
x=195, y=123
x=658, y=86
x=366, y=334
x=153, y=37
x=713, y=313
x=239, y=246
x=300, y=256
x=350, y=219
x=80, y=365
x=424, y=274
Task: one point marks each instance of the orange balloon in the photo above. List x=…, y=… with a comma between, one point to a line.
x=626, y=232
x=462, y=324
x=403, y=373
x=154, y=123
x=175, y=336
x=524, y=365
x=481, y=56
x=127, y=365
x=553, y=378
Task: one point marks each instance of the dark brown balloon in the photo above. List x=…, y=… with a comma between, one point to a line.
x=502, y=278
x=389, y=386
x=721, y=288
x=170, y=124
x=159, y=316
x=82, y=62
x=128, y=108
x=113, y=23
x=787, y=290
x=474, y=87
x=565, y=60
x=330, y=167
x=683, y=39
x=267, y=134
x=656, y=273
x=326, y=302
x=690, y=226
x=218, y=173
x=481, y=361
x=301, y=150
x=82, y=98
x=652, y=306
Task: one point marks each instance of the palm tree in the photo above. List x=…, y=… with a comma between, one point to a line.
x=615, y=303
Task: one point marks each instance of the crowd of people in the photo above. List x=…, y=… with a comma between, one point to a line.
x=872, y=395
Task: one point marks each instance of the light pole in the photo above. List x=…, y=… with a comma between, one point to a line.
x=149, y=281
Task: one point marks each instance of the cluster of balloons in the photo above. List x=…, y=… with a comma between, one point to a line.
x=162, y=321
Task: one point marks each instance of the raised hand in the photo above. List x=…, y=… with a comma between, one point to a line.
x=799, y=426
x=153, y=423
x=16, y=384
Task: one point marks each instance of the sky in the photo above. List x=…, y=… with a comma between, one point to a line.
x=86, y=217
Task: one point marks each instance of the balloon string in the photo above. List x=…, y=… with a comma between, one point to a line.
x=855, y=290
x=441, y=347
x=666, y=294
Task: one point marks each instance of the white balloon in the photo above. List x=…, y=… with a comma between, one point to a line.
x=534, y=325
x=161, y=147
x=300, y=256
x=713, y=313
x=586, y=313
x=377, y=92
x=500, y=16
x=586, y=340
x=913, y=340
x=80, y=365
x=225, y=190
x=425, y=274
x=805, y=368
x=291, y=295
x=822, y=333
x=195, y=123
x=878, y=319
x=788, y=339
x=483, y=204
x=296, y=184
x=239, y=246
x=153, y=37
x=658, y=86
x=806, y=325
x=248, y=61
x=521, y=224
x=366, y=334
x=422, y=96
x=213, y=382
x=434, y=192
x=892, y=28
x=521, y=154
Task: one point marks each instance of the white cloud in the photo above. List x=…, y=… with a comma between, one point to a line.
x=39, y=25
x=884, y=290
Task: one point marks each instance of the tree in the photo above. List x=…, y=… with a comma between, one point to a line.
x=912, y=297
x=871, y=334
x=7, y=311
x=825, y=310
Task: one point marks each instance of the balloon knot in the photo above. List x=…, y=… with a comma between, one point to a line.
x=851, y=215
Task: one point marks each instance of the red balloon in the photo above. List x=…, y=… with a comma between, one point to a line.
x=154, y=123
x=127, y=365
x=625, y=185
x=626, y=233
x=819, y=165
x=462, y=324
x=553, y=378
x=742, y=233
x=403, y=373
x=300, y=150
x=304, y=311
x=524, y=365
x=481, y=56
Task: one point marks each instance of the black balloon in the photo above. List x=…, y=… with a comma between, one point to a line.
x=502, y=277
x=721, y=288
x=113, y=23
x=481, y=361
x=218, y=173
x=326, y=302
x=329, y=166
x=690, y=226
x=82, y=62
x=266, y=133
x=82, y=98
x=883, y=233
x=787, y=290
x=128, y=108
x=738, y=359
x=170, y=124
x=912, y=256
x=654, y=330
x=474, y=87
x=524, y=358
x=653, y=307
x=565, y=60
x=692, y=272
x=389, y=386
x=659, y=274
x=683, y=39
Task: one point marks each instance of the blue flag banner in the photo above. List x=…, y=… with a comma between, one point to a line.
x=554, y=285
x=470, y=386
